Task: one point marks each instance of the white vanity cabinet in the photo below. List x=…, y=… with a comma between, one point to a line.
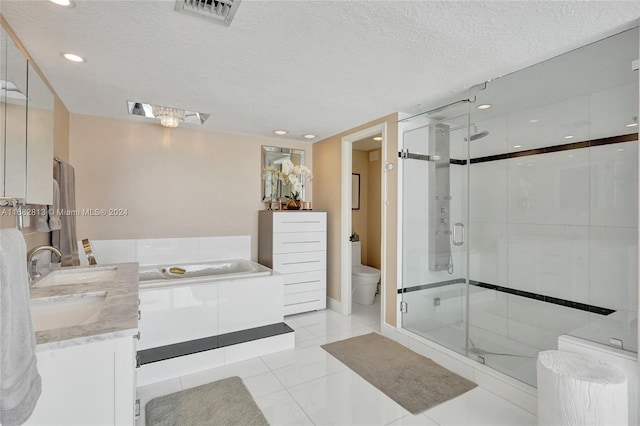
x=87, y=384
x=294, y=243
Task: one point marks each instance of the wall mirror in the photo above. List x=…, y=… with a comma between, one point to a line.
x=272, y=156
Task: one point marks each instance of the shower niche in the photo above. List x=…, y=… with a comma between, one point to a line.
x=519, y=210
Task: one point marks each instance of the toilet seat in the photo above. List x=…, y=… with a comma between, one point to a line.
x=364, y=271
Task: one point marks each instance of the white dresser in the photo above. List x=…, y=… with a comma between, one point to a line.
x=294, y=243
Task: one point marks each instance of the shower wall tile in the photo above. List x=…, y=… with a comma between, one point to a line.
x=613, y=254
x=488, y=185
x=539, y=324
x=613, y=107
x=550, y=260
x=554, y=122
x=614, y=184
x=488, y=310
x=488, y=253
x=550, y=188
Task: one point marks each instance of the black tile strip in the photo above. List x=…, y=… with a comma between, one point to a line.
x=549, y=149
x=521, y=293
x=162, y=353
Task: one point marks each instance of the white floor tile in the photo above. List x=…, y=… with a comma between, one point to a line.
x=345, y=399
x=243, y=369
x=480, y=407
x=280, y=409
x=413, y=420
x=334, y=337
x=302, y=365
x=262, y=384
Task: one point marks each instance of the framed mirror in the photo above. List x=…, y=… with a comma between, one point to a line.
x=272, y=156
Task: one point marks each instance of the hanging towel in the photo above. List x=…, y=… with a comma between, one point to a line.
x=20, y=384
x=68, y=243
x=51, y=221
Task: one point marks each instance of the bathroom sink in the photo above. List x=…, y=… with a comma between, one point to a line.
x=78, y=276
x=66, y=311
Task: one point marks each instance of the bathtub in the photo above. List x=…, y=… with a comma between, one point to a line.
x=190, y=273
x=197, y=311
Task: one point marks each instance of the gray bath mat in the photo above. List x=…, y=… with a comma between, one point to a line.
x=225, y=402
x=411, y=380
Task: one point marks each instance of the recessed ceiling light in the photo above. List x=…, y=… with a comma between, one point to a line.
x=72, y=57
x=517, y=146
x=61, y=2
x=280, y=132
x=309, y=136
x=377, y=138
x=569, y=137
x=535, y=120
x=632, y=124
x=484, y=106
x=620, y=149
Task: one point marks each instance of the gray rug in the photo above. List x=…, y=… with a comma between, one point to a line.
x=411, y=380
x=225, y=402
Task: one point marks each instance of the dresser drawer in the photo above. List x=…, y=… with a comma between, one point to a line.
x=305, y=281
x=318, y=298
x=299, y=222
x=295, y=242
x=291, y=263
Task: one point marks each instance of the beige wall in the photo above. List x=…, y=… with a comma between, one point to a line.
x=360, y=165
x=178, y=182
x=327, y=156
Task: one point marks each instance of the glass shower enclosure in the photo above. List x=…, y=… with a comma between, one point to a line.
x=519, y=211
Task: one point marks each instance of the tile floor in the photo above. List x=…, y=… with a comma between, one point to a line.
x=307, y=386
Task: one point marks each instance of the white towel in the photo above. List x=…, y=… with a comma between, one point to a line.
x=20, y=384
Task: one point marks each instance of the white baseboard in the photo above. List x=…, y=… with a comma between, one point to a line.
x=334, y=305
x=514, y=391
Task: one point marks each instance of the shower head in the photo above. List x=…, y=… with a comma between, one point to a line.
x=478, y=136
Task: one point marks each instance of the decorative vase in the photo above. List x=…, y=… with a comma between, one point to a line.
x=294, y=204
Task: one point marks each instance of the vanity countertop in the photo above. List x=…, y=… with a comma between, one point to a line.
x=118, y=317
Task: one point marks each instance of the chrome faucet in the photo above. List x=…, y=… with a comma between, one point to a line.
x=32, y=264
x=88, y=251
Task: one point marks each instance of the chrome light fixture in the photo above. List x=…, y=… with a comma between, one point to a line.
x=168, y=116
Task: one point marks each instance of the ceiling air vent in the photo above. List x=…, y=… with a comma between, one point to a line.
x=221, y=11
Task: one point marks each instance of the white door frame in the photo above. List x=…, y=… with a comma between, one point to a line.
x=345, y=219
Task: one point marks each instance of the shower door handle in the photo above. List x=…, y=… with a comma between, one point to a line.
x=456, y=241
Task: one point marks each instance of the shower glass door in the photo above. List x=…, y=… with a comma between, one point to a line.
x=433, y=159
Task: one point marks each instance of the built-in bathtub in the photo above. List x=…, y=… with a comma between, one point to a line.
x=200, y=315
x=188, y=273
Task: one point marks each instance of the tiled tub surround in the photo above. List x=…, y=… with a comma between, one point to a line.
x=118, y=317
x=87, y=371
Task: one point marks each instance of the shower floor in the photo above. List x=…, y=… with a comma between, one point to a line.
x=500, y=353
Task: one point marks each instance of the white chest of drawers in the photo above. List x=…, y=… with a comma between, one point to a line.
x=295, y=244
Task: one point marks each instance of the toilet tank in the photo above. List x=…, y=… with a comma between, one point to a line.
x=355, y=253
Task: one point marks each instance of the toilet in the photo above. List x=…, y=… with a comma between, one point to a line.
x=364, y=279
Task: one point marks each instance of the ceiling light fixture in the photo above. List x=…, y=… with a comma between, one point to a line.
x=169, y=117
x=73, y=58
x=280, y=132
x=309, y=136
x=535, y=120
x=61, y=2
x=569, y=137
x=377, y=138
x=517, y=146
x=632, y=124
x=484, y=106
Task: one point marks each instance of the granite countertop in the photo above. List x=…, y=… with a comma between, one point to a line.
x=118, y=317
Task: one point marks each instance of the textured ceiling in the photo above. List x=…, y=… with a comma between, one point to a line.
x=318, y=67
